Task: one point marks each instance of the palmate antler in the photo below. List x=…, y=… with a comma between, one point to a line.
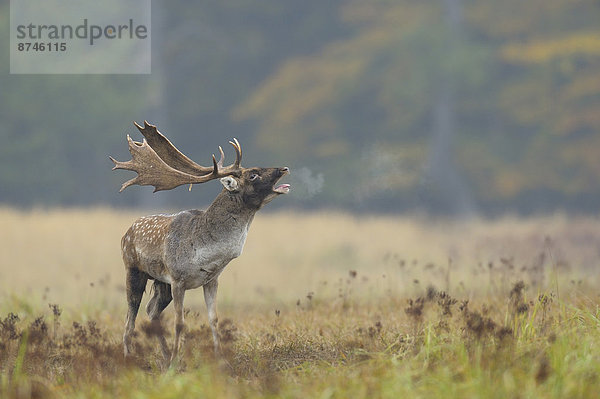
x=158, y=163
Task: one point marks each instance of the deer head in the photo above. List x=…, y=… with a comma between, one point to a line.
x=160, y=164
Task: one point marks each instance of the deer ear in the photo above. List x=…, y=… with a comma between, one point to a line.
x=229, y=183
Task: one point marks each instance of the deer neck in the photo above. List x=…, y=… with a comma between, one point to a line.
x=228, y=208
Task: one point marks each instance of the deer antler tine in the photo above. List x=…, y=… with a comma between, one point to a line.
x=119, y=164
x=114, y=161
x=237, y=164
x=238, y=152
x=127, y=164
x=220, y=163
x=128, y=183
x=215, y=171
x=138, y=126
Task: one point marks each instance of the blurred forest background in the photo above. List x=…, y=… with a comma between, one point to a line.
x=445, y=106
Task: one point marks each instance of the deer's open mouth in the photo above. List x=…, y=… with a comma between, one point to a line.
x=282, y=188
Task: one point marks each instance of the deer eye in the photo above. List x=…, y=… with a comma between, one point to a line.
x=253, y=176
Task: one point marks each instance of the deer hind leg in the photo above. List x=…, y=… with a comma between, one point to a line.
x=161, y=299
x=136, y=284
x=178, y=294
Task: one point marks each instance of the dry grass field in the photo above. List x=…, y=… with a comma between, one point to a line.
x=319, y=305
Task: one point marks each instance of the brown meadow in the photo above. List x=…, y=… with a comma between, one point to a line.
x=319, y=304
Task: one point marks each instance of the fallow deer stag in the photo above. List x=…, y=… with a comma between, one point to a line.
x=189, y=249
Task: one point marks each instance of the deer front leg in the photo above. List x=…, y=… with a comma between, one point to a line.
x=210, y=297
x=178, y=294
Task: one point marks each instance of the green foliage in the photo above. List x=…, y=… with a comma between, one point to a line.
x=322, y=350
x=525, y=98
x=352, y=89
